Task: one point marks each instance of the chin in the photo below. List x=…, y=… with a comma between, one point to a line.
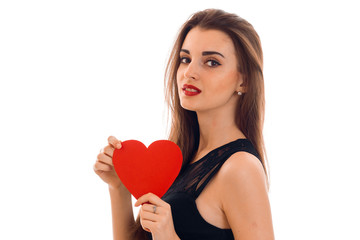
x=188, y=106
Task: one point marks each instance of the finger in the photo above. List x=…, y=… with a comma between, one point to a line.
x=144, y=215
x=145, y=228
x=105, y=159
x=151, y=208
x=99, y=166
x=108, y=150
x=114, y=142
x=151, y=198
x=141, y=222
x=148, y=225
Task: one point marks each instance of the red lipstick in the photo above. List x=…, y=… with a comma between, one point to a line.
x=190, y=90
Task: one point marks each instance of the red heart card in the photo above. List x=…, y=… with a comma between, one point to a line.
x=143, y=170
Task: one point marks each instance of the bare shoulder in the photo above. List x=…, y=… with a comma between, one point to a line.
x=244, y=197
x=242, y=168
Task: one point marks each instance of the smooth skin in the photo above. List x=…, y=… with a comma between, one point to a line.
x=122, y=212
x=159, y=223
x=237, y=196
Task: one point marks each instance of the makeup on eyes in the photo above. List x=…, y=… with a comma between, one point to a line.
x=215, y=62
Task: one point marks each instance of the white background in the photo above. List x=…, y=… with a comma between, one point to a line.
x=74, y=72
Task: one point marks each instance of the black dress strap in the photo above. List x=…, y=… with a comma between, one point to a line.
x=194, y=178
x=215, y=161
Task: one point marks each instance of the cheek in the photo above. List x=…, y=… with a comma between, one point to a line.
x=179, y=73
x=230, y=81
x=222, y=90
x=224, y=83
x=178, y=84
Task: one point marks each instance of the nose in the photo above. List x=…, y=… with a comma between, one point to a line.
x=191, y=71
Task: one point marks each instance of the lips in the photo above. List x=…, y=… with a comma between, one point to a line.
x=190, y=90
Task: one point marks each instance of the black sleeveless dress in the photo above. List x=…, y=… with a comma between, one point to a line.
x=191, y=181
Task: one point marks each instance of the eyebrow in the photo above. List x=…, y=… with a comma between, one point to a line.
x=206, y=53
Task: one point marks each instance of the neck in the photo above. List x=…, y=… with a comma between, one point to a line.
x=217, y=128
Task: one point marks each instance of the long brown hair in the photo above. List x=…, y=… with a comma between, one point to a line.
x=250, y=108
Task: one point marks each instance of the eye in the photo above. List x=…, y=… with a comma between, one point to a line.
x=184, y=60
x=212, y=63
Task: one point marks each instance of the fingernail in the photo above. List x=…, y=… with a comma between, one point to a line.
x=118, y=145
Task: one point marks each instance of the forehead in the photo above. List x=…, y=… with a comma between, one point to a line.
x=198, y=40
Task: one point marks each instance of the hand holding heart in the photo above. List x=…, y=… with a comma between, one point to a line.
x=156, y=217
x=140, y=169
x=104, y=167
x=143, y=171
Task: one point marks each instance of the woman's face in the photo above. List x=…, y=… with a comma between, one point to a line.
x=208, y=77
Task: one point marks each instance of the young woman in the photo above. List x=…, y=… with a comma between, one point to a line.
x=215, y=91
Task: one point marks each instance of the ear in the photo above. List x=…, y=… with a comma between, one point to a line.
x=241, y=84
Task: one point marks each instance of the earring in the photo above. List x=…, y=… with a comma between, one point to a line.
x=239, y=93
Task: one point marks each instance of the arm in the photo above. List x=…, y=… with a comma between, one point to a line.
x=121, y=208
x=122, y=213
x=245, y=199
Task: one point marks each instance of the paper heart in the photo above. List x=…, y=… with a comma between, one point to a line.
x=143, y=170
